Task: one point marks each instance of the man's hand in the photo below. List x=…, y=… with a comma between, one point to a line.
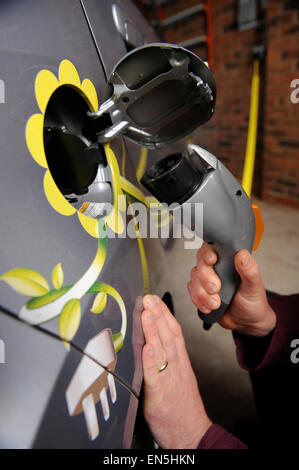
x=250, y=312
x=172, y=404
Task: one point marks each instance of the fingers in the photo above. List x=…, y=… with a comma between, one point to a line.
x=207, y=278
x=199, y=297
x=206, y=255
x=149, y=366
x=161, y=326
x=152, y=337
x=205, y=284
x=172, y=328
x=252, y=283
x=172, y=322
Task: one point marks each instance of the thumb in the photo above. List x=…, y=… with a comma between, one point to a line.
x=252, y=284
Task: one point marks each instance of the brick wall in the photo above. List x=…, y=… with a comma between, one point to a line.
x=277, y=155
x=281, y=123
x=226, y=134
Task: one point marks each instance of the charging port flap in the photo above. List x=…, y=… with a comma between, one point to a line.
x=157, y=94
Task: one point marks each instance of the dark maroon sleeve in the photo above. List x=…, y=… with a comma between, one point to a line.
x=274, y=349
x=256, y=353
x=217, y=438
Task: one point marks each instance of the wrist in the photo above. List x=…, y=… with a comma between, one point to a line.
x=203, y=426
x=269, y=324
x=262, y=328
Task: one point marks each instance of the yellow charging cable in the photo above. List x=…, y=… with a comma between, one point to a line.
x=250, y=150
x=252, y=130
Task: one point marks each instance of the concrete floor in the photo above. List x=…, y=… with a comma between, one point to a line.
x=225, y=387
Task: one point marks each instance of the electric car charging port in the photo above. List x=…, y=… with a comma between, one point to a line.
x=76, y=160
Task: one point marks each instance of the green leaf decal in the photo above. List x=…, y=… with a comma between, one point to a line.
x=57, y=276
x=26, y=282
x=70, y=319
x=99, y=303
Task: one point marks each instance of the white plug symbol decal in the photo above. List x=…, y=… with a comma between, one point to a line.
x=90, y=382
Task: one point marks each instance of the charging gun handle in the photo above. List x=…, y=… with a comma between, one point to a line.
x=229, y=226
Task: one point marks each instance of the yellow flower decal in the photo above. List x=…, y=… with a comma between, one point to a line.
x=46, y=83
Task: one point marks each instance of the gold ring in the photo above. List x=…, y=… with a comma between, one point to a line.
x=163, y=367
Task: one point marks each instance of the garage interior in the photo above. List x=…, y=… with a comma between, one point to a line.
x=81, y=129
x=230, y=35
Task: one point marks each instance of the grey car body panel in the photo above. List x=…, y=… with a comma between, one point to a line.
x=108, y=32
x=33, y=406
x=35, y=36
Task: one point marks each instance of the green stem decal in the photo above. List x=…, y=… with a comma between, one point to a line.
x=109, y=290
x=118, y=341
x=46, y=299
